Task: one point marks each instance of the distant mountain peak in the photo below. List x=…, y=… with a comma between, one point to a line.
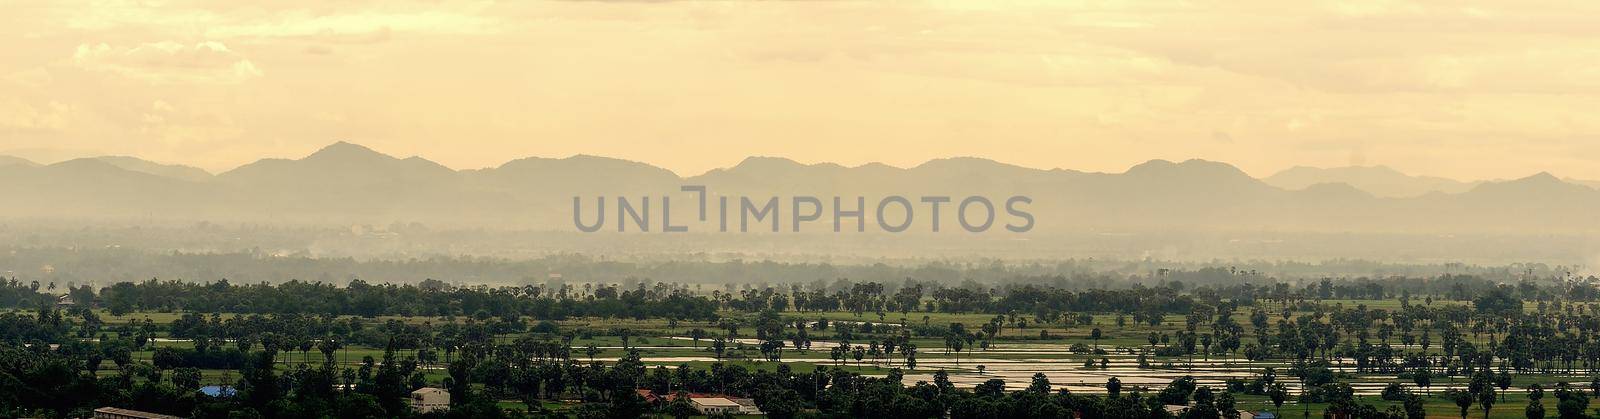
x=876, y=166
x=591, y=157
x=16, y=161
x=1191, y=167
x=577, y=159
x=1379, y=180
x=345, y=150
x=1536, y=180
x=1536, y=186
x=1335, y=190
x=175, y=171
x=341, y=162
x=84, y=163
x=962, y=161
x=1152, y=164
x=767, y=162
x=1362, y=170
x=575, y=166
x=1542, y=177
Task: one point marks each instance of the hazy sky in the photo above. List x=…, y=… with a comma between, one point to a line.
x=1502, y=90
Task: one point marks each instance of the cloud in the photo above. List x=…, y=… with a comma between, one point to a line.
x=18, y=115
x=319, y=50
x=1094, y=86
x=169, y=62
x=176, y=126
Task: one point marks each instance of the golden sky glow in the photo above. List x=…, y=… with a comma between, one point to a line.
x=1492, y=91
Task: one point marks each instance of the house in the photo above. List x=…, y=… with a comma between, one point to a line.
x=674, y=396
x=1177, y=410
x=648, y=396
x=116, y=413
x=65, y=301
x=747, y=406
x=430, y=399
x=714, y=405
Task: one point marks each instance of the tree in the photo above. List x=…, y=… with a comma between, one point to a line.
x=1413, y=407
x=261, y=386
x=680, y=407
x=720, y=347
x=1114, y=386
x=1573, y=404
x=696, y=334
x=166, y=358
x=994, y=387
x=1422, y=378
x=1486, y=400
x=1503, y=381
x=187, y=378
x=1462, y=399
x=1278, y=394
x=1226, y=406
x=1177, y=392
x=625, y=403
x=1205, y=406
x=1040, y=384
x=778, y=403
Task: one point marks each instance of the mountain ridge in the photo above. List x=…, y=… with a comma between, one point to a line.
x=347, y=182
x=1378, y=180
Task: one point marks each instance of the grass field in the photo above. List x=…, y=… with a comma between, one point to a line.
x=661, y=343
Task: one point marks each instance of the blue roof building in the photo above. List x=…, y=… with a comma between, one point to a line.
x=218, y=391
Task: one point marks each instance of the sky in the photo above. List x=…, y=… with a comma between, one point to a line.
x=1499, y=90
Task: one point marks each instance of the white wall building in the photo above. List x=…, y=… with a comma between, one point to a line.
x=430, y=399
x=714, y=405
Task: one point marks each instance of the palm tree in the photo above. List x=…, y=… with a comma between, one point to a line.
x=697, y=334
x=1462, y=399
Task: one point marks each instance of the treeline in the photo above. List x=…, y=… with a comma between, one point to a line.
x=1049, y=297
x=429, y=298
x=1046, y=297
x=925, y=297
x=131, y=255
x=534, y=369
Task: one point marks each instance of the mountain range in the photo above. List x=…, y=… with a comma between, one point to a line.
x=1377, y=180
x=349, y=183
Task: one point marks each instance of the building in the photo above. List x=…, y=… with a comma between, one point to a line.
x=746, y=406
x=116, y=413
x=649, y=396
x=714, y=405
x=430, y=399
x=218, y=391
x=1178, y=409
